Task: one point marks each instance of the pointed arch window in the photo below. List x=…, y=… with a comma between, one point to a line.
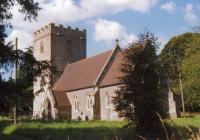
x=76, y=103
x=89, y=102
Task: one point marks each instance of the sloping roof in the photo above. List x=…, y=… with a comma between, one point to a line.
x=82, y=74
x=113, y=74
x=61, y=98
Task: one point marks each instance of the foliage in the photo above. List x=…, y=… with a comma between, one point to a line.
x=27, y=7
x=20, y=93
x=182, y=55
x=139, y=99
x=16, y=92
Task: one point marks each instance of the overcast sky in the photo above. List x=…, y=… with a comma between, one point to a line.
x=106, y=20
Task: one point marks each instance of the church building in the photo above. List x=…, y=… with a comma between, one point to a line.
x=81, y=88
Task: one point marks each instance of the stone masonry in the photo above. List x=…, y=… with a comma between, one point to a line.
x=60, y=46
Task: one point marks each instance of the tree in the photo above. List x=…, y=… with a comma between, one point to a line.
x=30, y=9
x=139, y=98
x=14, y=92
x=181, y=55
x=19, y=91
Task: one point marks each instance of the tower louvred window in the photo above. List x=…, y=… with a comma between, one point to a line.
x=41, y=47
x=69, y=50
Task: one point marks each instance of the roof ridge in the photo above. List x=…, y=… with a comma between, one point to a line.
x=113, y=74
x=92, y=56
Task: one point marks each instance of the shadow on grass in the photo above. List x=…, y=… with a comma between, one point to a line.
x=76, y=134
x=13, y=137
x=175, y=133
x=4, y=123
x=62, y=130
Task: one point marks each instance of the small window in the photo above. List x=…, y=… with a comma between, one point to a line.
x=42, y=47
x=76, y=103
x=108, y=100
x=89, y=102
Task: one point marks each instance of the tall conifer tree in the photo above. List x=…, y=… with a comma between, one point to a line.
x=139, y=98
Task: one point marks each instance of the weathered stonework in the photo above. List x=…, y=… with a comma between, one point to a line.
x=108, y=111
x=61, y=46
x=172, y=112
x=83, y=111
x=98, y=109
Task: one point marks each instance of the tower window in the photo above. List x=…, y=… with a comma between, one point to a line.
x=69, y=50
x=42, y=47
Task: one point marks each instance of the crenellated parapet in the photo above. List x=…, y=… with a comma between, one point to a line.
x=43, y=29
x=58, y=30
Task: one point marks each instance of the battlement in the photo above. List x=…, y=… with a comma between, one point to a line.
x=60, y=44
x=51, y=27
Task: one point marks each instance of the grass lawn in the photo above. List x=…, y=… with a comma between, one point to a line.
x=65, y=130
x=91, y=130
x=188, y=121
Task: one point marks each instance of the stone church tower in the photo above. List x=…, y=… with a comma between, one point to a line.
x=60, y=46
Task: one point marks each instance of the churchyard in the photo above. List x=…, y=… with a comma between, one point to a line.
x=26, y=129
x=126, y=66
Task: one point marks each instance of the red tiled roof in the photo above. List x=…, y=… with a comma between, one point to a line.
x=61, y=98
x=113, y=74
x=82, y=74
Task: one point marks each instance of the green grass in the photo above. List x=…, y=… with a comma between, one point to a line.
x=41, y=125
x=188, y=121
x=90, y=130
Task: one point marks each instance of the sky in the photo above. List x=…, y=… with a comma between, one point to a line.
x=106, y=20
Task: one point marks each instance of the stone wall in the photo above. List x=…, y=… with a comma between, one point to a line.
x=40, y=102
x=68, y=46
x=82, y=98
x=108, y=111
x=99, y=109
x=171, y=105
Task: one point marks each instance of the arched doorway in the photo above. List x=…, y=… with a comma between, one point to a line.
x=48, y=109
